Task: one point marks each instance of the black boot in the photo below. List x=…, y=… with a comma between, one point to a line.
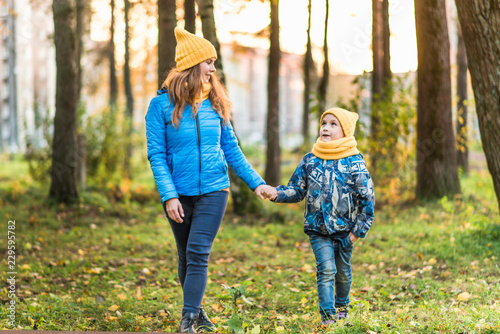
x=204, y=322
x=188, y=323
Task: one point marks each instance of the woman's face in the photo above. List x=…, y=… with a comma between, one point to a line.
x=207, y=68
x=331, y=128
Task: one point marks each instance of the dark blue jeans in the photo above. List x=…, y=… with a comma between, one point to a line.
x=333, y=263
x=194, y=238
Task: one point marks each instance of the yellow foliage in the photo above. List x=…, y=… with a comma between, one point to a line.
x=464, y=296
x=113, y=308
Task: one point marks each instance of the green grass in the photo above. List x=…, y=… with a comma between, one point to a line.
x=110, y=265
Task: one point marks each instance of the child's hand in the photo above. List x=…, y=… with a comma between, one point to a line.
x=353, y=237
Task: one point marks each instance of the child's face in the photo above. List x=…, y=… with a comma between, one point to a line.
x=330, y=128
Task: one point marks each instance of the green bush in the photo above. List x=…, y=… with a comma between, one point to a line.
x=390, y=152
x=105, y=146
x=39, y=154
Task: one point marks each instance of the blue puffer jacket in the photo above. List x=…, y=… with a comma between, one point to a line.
x=339, y=195
x=192, y=159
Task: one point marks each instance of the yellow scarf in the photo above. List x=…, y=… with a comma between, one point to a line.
x=335, y=149
x=207, y=87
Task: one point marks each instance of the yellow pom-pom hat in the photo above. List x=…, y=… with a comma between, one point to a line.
x=191, y=49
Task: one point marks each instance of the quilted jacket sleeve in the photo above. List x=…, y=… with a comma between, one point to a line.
x=236, y=159
x=296, y=189
x=157, y=150
x=365, y=197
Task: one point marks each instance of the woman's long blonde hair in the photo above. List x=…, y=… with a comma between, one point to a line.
x=184, y=87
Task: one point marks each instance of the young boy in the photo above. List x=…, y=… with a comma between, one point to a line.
x=339, y=206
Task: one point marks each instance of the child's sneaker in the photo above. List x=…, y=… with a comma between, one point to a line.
x=342, y=313
x=329, y=320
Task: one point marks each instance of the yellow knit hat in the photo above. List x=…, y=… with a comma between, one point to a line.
x=346, y=118
x=191, y=49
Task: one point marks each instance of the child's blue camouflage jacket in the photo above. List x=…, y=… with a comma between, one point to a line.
x=339, y=194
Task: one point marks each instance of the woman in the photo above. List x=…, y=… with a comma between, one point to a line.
x=190, y=144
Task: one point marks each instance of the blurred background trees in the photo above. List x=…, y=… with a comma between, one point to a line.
x=111, y=56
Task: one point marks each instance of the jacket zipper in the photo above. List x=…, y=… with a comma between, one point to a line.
x=323, y=190
x=199, y=152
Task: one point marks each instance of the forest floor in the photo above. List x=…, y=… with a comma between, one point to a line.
x=109, y=263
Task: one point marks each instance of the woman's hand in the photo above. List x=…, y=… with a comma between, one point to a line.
x=174, y=210
x=353, y=237
x=260, y=191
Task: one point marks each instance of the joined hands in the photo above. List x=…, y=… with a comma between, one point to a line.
x=266, y=191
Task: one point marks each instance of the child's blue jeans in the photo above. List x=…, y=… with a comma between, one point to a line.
x=194, y=238
x=333, y=263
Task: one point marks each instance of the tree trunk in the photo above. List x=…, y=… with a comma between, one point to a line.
x=190, y=16
x=206, y=11
x=377, y=80
x=462, y=127
x=80, y=7
x=64, y=186
x=381, y=82
x=480, y=22
x=113, y=82
x=378, y=52
x=308, y=64
x=437, y=173
x=323, y=83
x=386, y=46
x=82, y=28
x=273, y=175
x=129, y=112
x=166, y=38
